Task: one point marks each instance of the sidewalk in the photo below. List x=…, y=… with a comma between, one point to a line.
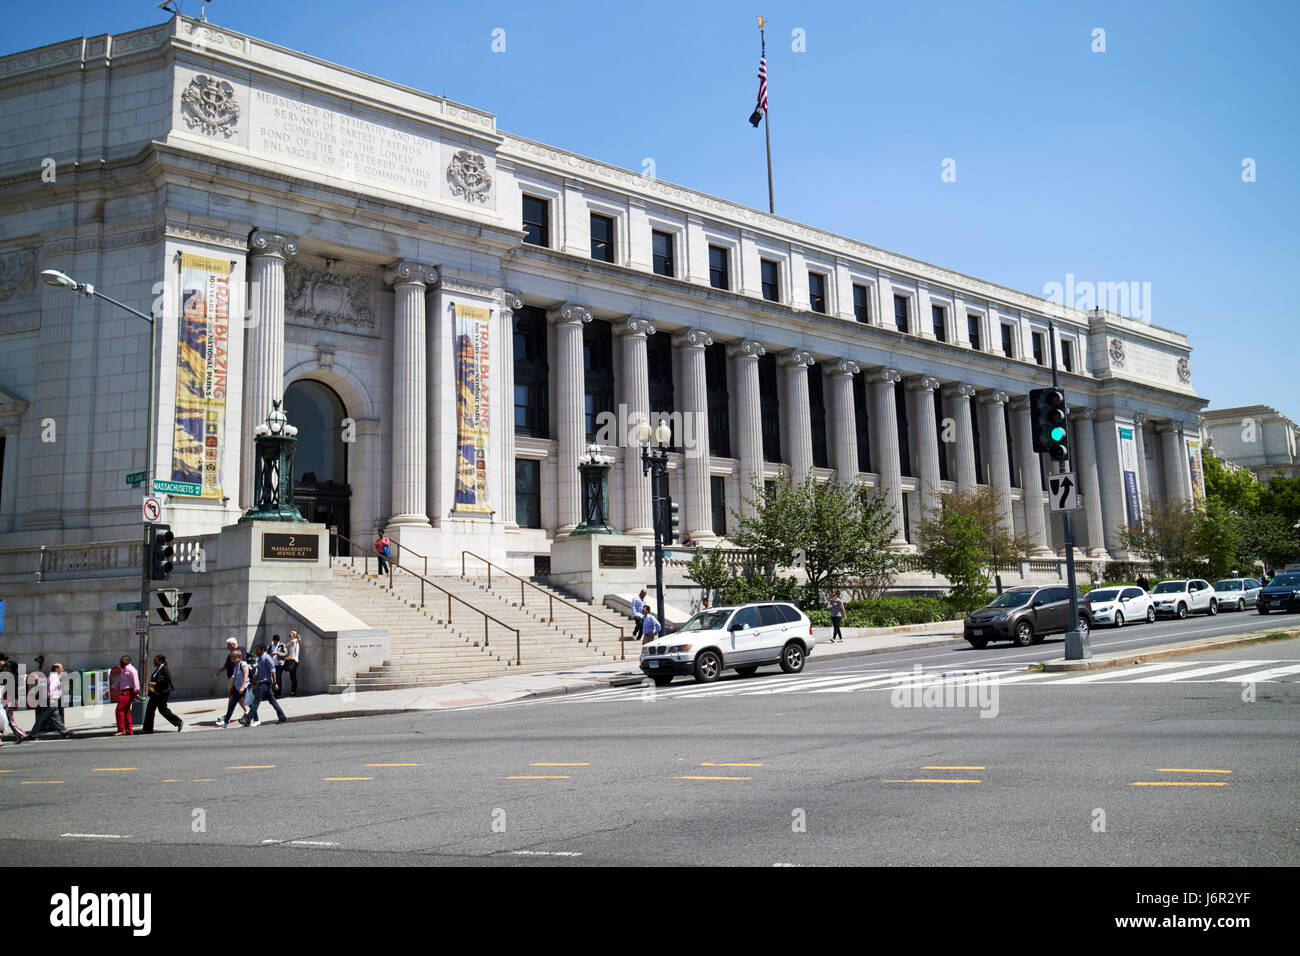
x=202, y=714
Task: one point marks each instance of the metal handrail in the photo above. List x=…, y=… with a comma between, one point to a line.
x=423, y=581
x=425, y=557
x=622, y=650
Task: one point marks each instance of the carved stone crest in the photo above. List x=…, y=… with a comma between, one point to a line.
x=1117, y=353
x=327, y=299
x=17, y=274
x=1184, y=370
x=209, y=104
x=468, y=176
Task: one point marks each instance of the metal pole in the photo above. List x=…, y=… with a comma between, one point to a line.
x=767, y=133
x=658, y=495
x=1077, y=646
x=138, y=706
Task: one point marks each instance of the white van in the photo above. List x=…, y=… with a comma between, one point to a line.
x=742, y=639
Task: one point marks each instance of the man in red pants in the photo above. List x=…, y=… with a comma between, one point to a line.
x=124, y=690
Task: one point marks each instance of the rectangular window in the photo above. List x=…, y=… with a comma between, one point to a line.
x=528, y=493
x=939, y=316
x=980, y=477
x=1013, y=464
x=771, y=278
x=770, y=407
x=973, y=331
x=861, y=304
x=663, y=253
x=719, y=268
x=817, y=292
x=602, y=238
x=718, y=502
x=1039, y=348
x=900, y=419
x=1067, y=355
x=715, y=387
x=900, y=313
x=939, y=432
x=537, y=221
x=907, y=518
x=817, y=418
x=531, y=373
x=659, y=372
x=1008, y=342
x=862, y=420
x=598, y=369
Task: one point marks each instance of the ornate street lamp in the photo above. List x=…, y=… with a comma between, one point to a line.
x=273, y=482
x=594, y=468
x=654, y=462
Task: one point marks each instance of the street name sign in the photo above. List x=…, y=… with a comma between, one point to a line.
x=193, y=489
x=135, y=478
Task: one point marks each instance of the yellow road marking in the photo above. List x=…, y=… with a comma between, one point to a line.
x=26, y=782
x=714, y=778
x=954, y=768
x=8, y=771
x=559, y=765
x=202, y=780
x=347, y=778
x=537, y=778
x=731, y=765
x=171, y=781
x=1188, y=770
x=392, y=765
x=932, y=780
x=1179, y=783
x=112, y=769
x=254, y=766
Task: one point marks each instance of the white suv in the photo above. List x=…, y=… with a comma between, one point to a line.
x=1183, y=597
x=740, y=638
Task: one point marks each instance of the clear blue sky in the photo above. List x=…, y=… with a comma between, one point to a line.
x=1117, y=166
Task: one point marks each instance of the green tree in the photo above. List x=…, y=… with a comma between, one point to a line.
x=1237, y=490
x=965, y=540
x=709, y=569
x=1268, y=538
x=1169, y=537
x=1281, y=497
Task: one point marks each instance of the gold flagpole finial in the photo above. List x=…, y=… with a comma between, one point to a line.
x=761, y=23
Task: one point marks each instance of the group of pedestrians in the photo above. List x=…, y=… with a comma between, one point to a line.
x=254, y=678
x=645, y=625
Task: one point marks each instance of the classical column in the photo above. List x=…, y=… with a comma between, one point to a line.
x=1085, y=463
x=999, y=464
x=1177, y=480
x=1110, y=483
x=506, y=305
x=749, y=418
x=927, y=442
x=410, y=393
x=961, y=395
x=890, y=467
x=636, y=396
x=844, y=423
x=1031, y=479
x=798, y=424
x=366, y=474
x=695, y=409
x=1139, y=441
x=570, y=417
x=264, y=345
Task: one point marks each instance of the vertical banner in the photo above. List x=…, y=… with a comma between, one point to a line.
x=471, y=344
x=1128, y=466
x=1194, y=468
x=202, y=372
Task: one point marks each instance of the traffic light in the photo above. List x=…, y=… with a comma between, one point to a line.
x=173, y=605
x=160, y=551
x=1047, y=409
x=673, y=524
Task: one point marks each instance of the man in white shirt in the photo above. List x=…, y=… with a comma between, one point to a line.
x=638, y=608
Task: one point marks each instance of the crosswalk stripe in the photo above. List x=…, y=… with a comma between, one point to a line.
x=1257, y=676
x=809, y=683
x=1167, y=678
x=1106, y=674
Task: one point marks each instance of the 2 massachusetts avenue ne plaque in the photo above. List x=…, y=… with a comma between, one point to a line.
x=279, y=546
x=617, y=556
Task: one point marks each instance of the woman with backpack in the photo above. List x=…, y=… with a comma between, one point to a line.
x=383, y=546
x=238, y=685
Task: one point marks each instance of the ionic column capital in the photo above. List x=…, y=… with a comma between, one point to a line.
x=960, y=389
x=886, y=376
x=263, y=243
x=1139, y=419
x=846, y=368
x=995, y=397
x=635, y=326
x=569, y=313
x=926, y=383
x=510, y=301
x=796, y=358
x=692, y=339
x=747, y=348
x=1080, y=414
x=1019, y=403
x=409, y=272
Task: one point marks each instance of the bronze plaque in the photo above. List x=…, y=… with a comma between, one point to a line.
x=277, y=546
x=618, y=556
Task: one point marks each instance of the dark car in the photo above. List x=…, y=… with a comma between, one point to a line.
x=1025, y=616
x=1282, y=594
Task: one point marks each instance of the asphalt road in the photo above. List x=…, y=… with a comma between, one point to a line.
x=850, y=762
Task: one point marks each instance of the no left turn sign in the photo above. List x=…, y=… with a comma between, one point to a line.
x=153, y=505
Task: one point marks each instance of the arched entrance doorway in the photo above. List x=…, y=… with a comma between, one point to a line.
x=320, y=461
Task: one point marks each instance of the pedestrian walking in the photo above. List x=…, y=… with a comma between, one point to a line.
x=124, y=689
x=6, y=704
x=291, y=656
x=264, y=687
x=1143, y=582
x=836, y=607
x=228, y=669
x=160, y=688
x=277, y=651
x=650, y=626
x=51, y=715
x=238, y=687
x=638, y=608
x=383, y=547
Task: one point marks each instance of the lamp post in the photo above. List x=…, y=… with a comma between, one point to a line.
x=654, y=462
x=62, y=280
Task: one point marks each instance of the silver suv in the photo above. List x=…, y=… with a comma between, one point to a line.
x=742, y=639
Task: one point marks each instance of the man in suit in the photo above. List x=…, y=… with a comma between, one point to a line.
x=160, y=688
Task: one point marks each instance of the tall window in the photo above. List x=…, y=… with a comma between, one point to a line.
x=900, y=415
x=978, y=442
x=900, y=312
x=1013, y=464
x=537, y=221
x=1039, y=348
x=817, y=413
x=861, y=304
x=659, y=371
x=602, y=238
x=939, y=317
x=862, y=421
x=531, y=373
x=938, y=436
x=715, y=386
x=907, y=518
x=770, y=406
x=528, y=493
x=770, y=273
x=1008, y=342
x=719, y=268
x=598, y=368
x=663, y=253
x=718, y=503
x=817, y=292
x=973, y=331
x=1067, y=355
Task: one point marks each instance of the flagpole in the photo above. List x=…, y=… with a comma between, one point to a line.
x=767, y=134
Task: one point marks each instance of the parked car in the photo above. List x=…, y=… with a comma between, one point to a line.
x=1239, y=593
x=1024, y=616
x=1184, y=596
x=742, y=638
x=1282, y=593
x=1119, y=606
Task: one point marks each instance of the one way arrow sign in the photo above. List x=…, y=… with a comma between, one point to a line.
x=1063, y=491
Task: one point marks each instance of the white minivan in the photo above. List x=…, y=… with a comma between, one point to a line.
x=742, y=639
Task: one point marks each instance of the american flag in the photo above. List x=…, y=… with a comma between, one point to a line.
x=757, y=116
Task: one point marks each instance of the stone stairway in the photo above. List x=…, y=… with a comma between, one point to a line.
x=429, y=648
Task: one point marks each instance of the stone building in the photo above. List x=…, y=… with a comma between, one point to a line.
x=1257, y=437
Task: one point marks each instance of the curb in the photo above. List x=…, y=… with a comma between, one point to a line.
x=1171, y=650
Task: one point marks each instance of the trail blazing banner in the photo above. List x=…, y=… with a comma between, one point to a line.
x=471, y=345
x=1194, y=468
x=1128, y=466
x=202, y=372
